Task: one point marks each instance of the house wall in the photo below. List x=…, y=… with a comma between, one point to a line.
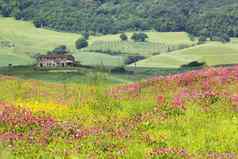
x=53, y=63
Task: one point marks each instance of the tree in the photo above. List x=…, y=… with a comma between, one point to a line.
x=123, y=37
x=39, y=22
x=202, y=39
x=62, y=49
x=139, y=37
x=86, y=35
x=81, y=43
x=191, y=37
x=6, y=10
x=225, y=38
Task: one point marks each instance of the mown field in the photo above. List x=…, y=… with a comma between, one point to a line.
x=191, y=115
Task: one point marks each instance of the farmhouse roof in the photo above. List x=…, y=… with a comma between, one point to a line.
x=52, y=56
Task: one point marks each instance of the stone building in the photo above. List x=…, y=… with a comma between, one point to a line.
x=55, y=60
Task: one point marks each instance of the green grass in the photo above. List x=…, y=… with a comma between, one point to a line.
x=213, y=53
x=14, y=59
x=98, y=59
x=146, y=49
x=155, y=37
x=156, y=43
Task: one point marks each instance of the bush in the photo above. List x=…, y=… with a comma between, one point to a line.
x=81, y=43
x=39, y=23
x=62, y=49
x=224, y=38
x=192, y=37
x=139, y=37
x=194, y=64
x=123, y=37
x=133, y=59
x=6, y=10
x=86, y=35
x=202, y=39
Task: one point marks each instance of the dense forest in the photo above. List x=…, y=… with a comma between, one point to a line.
x=208, y=18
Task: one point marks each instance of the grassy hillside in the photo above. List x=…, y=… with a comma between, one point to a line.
x=20, y=40
x=213, y=53
x=156, y=43
x=28, y=40
x=155, y=37
x=25, y=40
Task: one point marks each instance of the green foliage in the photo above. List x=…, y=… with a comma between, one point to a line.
x=62, y=49
x=202, y=39
x=111, y=16
x=139, y=37
x=123, y=37
x=81, y=43
x=6, y=10
x=194, y=64
x=224, y=38
x=86, y=35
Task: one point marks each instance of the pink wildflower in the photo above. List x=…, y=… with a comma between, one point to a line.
x=178, y=102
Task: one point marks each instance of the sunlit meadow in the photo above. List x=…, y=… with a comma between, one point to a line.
x=182, y=116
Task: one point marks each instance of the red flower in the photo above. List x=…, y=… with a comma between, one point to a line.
x=160, y=100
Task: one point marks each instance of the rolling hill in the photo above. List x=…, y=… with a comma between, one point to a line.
x=213, y=53
x=19, y=41
x=25, y=41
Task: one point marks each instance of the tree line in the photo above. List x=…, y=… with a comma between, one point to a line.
x=207, y=18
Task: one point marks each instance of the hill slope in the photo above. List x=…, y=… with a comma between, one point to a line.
x=19, y=41
x=213, y=53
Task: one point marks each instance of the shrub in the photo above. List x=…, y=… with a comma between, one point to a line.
x=39, y=22
x=6, y=10
x=133, y=59
x=221, y=37
x=86, y=35
x=123, y=37
x=139, y=37
x=194, y=64
x=62, y=49
x=81, y=43
x=202, y=39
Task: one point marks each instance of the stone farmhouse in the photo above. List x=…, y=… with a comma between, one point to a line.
x=55, y=60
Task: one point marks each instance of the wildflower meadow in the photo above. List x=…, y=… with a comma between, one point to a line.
x=191, y=115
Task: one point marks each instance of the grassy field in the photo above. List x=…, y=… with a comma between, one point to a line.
x=98, y=59
x=146, y=49
x=157, y=43
x=154, y=37
x=213, y=53
x=76, y=75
